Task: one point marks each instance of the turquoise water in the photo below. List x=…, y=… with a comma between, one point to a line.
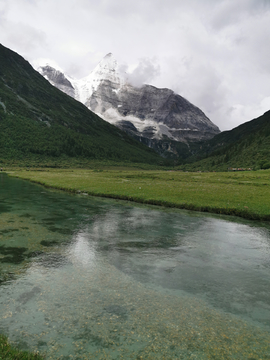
x=89, y=278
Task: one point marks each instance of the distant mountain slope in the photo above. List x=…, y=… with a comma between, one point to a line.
x=247, y=145
x=146, y=112
x=37, y=120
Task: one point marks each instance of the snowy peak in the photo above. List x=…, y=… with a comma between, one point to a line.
x=144, y=112
x=82, y=89
x=107, y=66
x=107, y=69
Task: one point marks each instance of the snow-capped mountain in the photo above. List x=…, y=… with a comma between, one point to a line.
x=144, y=112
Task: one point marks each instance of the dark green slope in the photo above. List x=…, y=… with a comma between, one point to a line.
x=247, y=145
x=39, y=123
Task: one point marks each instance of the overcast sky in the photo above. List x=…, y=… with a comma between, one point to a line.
x=215, y=53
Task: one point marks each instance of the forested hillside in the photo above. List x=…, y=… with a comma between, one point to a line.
x=39, y=124
x=246, y=146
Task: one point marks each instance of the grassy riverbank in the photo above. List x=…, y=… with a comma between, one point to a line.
x=10, y=353
x=244, y=194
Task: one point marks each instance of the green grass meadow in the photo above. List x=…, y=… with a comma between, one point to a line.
x=241, y=193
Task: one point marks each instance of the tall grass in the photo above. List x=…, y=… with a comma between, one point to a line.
x=8, y=352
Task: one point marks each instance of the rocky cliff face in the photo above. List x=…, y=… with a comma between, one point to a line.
x=58, y=79
x=145, y=112
x=151, y=112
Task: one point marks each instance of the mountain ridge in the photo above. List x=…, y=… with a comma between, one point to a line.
x=40, y=125
x=152, y=113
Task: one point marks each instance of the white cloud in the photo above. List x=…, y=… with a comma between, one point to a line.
x=213, y=52
x=146, y=71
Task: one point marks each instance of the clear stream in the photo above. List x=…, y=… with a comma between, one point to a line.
x=90, y=278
